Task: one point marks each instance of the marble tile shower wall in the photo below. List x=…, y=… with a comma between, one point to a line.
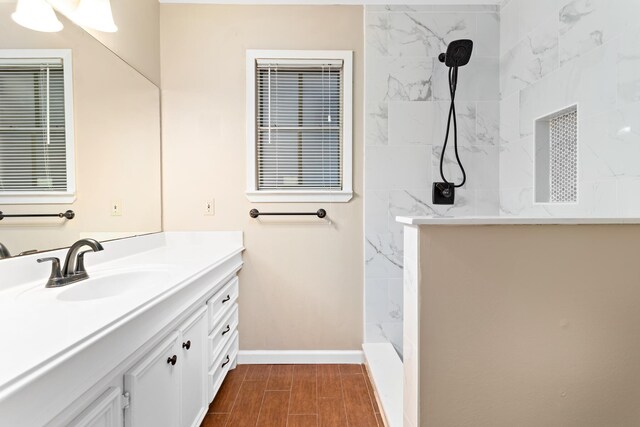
x=406, y=107
x=556, y=53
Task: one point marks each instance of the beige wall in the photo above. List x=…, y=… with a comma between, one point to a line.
x=137, y=40
x=302, y=283
x=530, y=326
x=117, y=139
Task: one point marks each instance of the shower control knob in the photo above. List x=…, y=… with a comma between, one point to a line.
x=444, y=193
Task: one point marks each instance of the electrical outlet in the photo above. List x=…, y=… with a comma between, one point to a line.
x=116, y=208
x=210, y=207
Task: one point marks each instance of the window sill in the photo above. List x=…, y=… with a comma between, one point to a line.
x=37, y=199
x=299, y=196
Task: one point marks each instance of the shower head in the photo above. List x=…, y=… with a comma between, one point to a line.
x=458, y=53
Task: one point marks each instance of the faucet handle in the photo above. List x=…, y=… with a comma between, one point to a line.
x=56, y=274
x=80, y=261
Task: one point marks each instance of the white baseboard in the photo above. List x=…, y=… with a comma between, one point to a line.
x=277, y=357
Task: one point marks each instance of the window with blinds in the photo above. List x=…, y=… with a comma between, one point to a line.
x=34, y=158
x=299, y=126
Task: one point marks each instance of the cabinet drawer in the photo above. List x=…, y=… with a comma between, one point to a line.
x=222, y=333
x=221, y=302
x=222, y=365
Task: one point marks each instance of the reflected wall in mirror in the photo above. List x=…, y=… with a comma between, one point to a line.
x=90, y=144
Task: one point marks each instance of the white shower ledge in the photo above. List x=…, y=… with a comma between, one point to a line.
x=509, y=220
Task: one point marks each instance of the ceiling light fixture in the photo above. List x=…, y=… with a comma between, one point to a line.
x=36, y=15
x=94, y=14
x=40, y=15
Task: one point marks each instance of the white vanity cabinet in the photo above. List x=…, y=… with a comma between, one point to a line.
x=153, y=355
x=193, y=367
x=168, y=387
x=106, y=411
x=153, y=388
x=171, y=383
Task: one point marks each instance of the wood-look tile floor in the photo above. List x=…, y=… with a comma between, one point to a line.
x=295, y=396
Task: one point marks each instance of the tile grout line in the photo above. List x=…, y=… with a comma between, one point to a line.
x=372, y=398
x=309, y=413
x=370, y=391
x=365, y=377
x=264, y=394
x=235, y=400
x=344, y=400
x=293, y=368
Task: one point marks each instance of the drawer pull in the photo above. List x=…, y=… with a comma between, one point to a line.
x=172, y=360
x=226, y=299
x=186, y=345
x=227, y=331
x=227, y=362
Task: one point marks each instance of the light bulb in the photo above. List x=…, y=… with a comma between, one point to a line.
x=37, y=15
x=94, y=14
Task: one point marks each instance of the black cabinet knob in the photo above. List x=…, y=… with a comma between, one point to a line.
x=226, y=299
x=226, y=331
x=172, y=360
x=186, y=345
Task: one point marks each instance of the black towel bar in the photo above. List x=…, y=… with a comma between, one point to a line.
x=68, y=215
x=255, y=213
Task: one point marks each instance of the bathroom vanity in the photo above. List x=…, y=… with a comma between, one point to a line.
x=146, y=341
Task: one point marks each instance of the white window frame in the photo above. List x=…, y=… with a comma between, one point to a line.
x=50, y=197
x=298, y=196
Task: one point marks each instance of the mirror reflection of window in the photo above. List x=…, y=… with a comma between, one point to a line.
x=36, y=144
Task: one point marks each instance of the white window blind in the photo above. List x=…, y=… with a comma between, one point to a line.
x=299, y=119
x=33, y=146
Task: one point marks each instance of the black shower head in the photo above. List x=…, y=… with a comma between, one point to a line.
x=458, y=53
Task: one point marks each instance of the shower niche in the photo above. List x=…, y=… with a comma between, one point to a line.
x=556, y=157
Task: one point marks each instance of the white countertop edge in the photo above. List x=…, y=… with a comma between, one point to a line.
x=506, y=220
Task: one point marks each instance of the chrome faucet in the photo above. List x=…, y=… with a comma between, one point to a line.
x=73, y=270
x=4, y=252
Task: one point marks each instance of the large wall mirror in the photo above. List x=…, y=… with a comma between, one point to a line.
x=80, y=132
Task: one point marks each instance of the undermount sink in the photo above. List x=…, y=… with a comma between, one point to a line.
x=111, y=284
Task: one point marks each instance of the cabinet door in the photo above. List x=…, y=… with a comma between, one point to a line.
x=106, y=411
x=153, y=387
x=194, y=370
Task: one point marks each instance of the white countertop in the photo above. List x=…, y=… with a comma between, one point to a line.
x=36, y=326
x=507, y=220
